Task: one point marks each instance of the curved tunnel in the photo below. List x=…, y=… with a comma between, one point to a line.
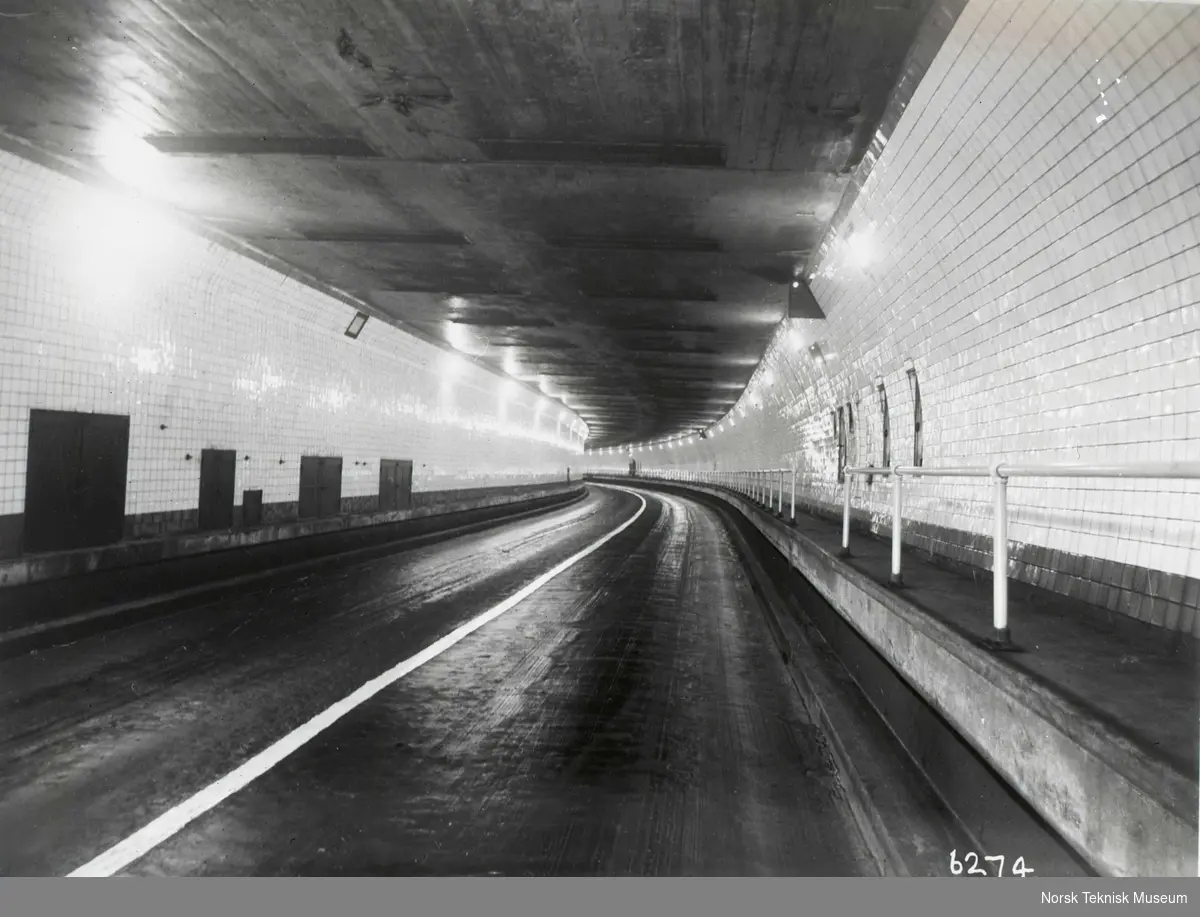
x=426, y=436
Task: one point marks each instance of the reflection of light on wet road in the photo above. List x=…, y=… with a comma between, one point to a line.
x=627, y=716
x=171, y=822
x=632, y=717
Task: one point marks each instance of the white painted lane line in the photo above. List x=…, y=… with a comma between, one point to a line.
x=175, y=820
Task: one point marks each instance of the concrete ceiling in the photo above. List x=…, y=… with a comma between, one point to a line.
x=609, y=195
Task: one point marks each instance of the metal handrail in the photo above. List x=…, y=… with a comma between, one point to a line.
x=1000, y=473
x=759, y=486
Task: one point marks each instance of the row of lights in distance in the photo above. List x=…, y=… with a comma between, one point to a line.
x=463, y=339
x=859, y=245
x=648, y=447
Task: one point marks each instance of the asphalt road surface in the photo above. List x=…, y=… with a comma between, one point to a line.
x=628, y=716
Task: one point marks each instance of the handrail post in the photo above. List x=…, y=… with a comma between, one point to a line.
x=845, y=550
x=779, y=506
x=1001, y=639
x=897, y=525
x=793, y=493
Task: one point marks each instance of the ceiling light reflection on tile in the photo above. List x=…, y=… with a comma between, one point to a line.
x=860, y=246
x=113, y=245
x=464, y=339
x=453, y=366
x=510, y=363
x=130, y=159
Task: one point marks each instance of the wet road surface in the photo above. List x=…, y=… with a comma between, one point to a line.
x=629, y=717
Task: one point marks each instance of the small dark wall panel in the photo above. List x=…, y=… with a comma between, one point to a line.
x=12, y=530
x=218, y=468
x=395, y=484
x=320, y=486
x=75, y=480
x=252, y=508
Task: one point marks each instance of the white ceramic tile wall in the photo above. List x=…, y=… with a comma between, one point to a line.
x=107, y=308
x=1035, y=253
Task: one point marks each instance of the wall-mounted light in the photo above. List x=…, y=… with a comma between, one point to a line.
x=354, y=329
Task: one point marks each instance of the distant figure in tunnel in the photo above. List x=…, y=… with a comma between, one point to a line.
x=633, y=468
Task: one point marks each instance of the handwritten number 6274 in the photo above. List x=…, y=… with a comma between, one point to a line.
x=971, y=863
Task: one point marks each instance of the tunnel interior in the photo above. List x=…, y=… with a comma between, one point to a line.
x=428, y=378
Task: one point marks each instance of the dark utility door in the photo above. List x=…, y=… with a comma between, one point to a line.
x=320, y=486
x=75, y=480
x=218, y=468
x=395, y=484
